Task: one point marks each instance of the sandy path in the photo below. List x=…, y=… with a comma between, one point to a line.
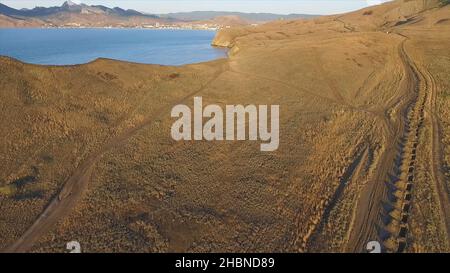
x=352, y=174
x=367, y=224
x=436, y=153
x=374, y=220
x=402, y=190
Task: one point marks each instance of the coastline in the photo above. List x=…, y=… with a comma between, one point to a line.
x=131, y=28
x=206, y=51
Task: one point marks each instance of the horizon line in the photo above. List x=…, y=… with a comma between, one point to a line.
x=243, y=6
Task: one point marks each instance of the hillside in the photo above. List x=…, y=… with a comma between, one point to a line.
x=71, y=14
x=364, y=149
x=70, y=7
x=253, y=17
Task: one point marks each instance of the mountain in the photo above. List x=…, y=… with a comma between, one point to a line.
x=70, y=7
x=255, y=17
x=5, y=10
x=78, y=15
x=82, y=15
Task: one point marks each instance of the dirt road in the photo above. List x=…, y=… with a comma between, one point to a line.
x=384, y=206
x=369, y=218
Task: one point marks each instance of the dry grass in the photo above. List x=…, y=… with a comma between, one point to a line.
x=340, y=96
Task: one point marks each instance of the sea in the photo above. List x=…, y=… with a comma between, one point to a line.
x=69, y=46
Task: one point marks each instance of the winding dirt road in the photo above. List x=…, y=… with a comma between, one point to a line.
x=366, y=224
x=384, y=206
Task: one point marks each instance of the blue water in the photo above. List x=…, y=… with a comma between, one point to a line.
x=77, y=46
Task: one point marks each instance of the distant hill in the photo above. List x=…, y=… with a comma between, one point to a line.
x=76, y=15
x=70, y=7
x=255, y=17
x=228, y=20
x=82, y=15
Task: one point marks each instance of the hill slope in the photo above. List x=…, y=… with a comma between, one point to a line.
x=364, y=144
x=75, y=14
x=99, y=16
x=254, y=17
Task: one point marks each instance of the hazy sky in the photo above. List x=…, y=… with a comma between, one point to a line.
x=165, y=6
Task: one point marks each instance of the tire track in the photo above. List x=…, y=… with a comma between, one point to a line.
x=352, y=173
x=344, y=24
x=366, y=225
x=436, y=152
x=401, y=186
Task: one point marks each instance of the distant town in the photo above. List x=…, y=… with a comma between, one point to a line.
x=187, y=26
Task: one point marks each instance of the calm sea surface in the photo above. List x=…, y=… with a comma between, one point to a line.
x=76, y=46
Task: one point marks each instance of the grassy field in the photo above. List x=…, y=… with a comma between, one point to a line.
x=87, y=154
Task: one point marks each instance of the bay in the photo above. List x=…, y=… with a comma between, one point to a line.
x=68, y=46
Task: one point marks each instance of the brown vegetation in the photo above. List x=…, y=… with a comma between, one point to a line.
x=95, y=139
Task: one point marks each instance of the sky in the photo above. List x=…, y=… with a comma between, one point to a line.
x=167, y=6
